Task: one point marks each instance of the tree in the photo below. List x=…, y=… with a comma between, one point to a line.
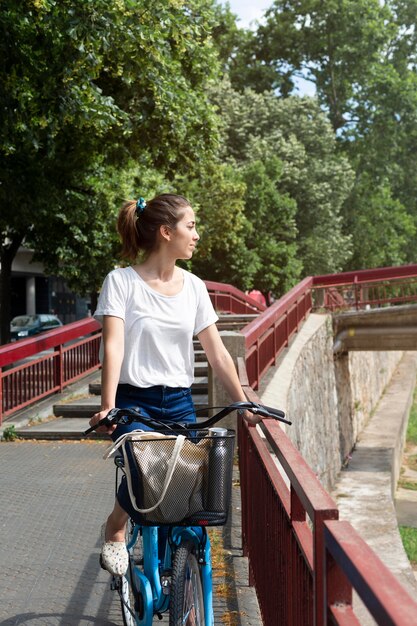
x=379, y=224
x=335, y=44
x=273, y=232
x=217, y=195
x=361, y=57
x=86, y=88
x=296, y=131
x=237, y=54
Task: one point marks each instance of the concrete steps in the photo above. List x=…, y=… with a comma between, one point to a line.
x=235, y=322
x=72, y=416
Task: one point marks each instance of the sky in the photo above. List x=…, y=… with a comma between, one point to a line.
x=248, y=10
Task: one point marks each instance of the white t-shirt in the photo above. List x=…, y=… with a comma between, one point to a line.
x=159, y=329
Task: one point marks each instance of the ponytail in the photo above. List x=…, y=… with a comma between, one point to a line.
x=126, y=227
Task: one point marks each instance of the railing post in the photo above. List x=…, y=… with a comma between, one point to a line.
x=287, y=329
x=235, y=344
x=298, y=515
x=337, y=588
x=59, y=368
x=1, y=395
x=275, y=343
x=319, y=566
x=357, y=292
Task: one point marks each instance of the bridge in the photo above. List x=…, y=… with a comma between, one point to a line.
x=321, y=558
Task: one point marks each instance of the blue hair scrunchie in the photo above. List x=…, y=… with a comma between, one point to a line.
x=140, y=206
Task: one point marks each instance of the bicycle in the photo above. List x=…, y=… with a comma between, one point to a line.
x=178, y=579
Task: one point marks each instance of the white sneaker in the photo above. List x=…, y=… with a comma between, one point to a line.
x=114, y=556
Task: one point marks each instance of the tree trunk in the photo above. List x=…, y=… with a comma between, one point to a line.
x=7, y=255
x=93, y=301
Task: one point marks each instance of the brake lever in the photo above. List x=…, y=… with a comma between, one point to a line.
x=265, y=413
x=108, y=420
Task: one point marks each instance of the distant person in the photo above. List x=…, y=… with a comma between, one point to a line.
x=258, y=296
x=150, y=312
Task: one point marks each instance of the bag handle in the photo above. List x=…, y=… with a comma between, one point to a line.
x=172, y=463
x=120, y=441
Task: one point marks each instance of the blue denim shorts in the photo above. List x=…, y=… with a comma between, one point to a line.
x=160, y=402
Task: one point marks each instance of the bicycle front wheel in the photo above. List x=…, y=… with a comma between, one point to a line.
x=186, y=607
x=127, y=602
x=130, y=599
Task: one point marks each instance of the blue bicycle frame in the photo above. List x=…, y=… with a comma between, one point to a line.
x=148, y=581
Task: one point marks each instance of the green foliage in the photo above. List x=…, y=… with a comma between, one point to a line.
x=361, y=57
x=273, y=232
x=412, y=422
x=9, y=433
x=294, y=130
x=133, y=77
x=86, y=87
x=217, y=195
x=380, y=225
x=244, y=219
x=334, y=44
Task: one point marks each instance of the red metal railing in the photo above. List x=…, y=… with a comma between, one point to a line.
x=229, y=299
x=382, y=286
x=31, y=369
x=350, y=563
x=304, y=562
x=270, y=332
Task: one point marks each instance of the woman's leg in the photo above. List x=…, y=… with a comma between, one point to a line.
x=116, y=524
x=113, y=556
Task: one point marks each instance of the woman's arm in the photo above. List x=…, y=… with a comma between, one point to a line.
x=224, y=368
x=113, y=346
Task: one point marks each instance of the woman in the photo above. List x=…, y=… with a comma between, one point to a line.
x=150, y=312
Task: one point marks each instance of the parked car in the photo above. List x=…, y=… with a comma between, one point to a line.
x=29, y=325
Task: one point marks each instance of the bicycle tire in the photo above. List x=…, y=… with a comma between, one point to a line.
x=186, y=606
x=130, y=602
x=127, y=602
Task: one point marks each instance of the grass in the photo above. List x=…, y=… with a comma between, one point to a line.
x=409, y=535
x=412, y=422
x=412, y=461
x=407, y=484
x=409, y=539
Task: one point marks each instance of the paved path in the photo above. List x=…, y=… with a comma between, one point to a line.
x=54, y=498
x=366, y=488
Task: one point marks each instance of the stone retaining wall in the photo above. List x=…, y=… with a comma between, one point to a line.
x=328, y=400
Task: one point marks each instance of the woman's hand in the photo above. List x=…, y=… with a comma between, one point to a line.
x=99, y=416
x=250, y=418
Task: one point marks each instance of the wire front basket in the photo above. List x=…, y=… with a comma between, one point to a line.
x=180, y=480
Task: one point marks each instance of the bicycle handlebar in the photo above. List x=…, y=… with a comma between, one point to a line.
x=127, y=416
